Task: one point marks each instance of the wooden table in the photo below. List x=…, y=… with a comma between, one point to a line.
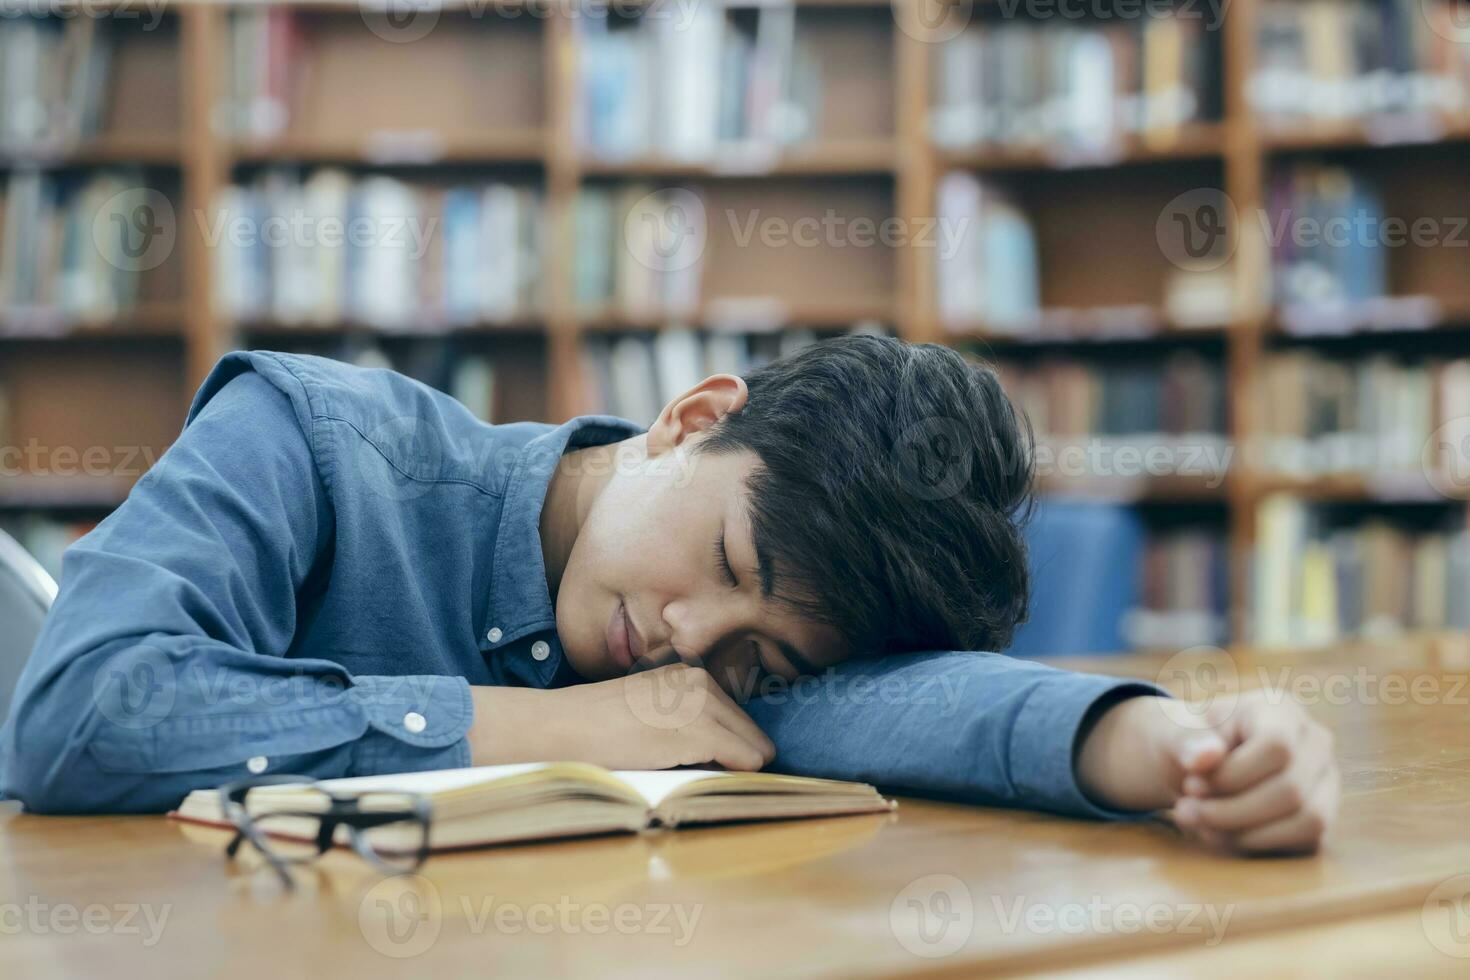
x=935, y=888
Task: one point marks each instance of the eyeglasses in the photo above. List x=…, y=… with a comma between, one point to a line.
x=294, y=820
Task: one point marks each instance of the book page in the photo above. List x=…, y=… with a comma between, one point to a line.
x=656, y=785
x=433, y=781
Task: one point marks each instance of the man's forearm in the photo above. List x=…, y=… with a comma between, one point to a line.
x=977, y=726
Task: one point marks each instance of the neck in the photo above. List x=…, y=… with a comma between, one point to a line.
x=580, y=476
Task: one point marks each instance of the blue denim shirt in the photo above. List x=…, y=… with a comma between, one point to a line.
x=314, y=574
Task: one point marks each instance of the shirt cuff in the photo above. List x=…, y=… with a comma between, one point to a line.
x=1045, y=740
x=414, y=723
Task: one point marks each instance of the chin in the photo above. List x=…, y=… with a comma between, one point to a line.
x=587, y=659
x=582, y=638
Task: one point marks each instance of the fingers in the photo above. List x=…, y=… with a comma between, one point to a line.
x=1265, y=738
x=726, y=748
x=1200, y=753
x=1300, y=833
x=737, y=723
x=1289, y=813
x=733, y=717
x=719, y=730
x=1264, y=753
x=1262, y=804
x=1274, y=791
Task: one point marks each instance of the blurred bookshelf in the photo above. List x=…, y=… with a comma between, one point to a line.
x=543, y=146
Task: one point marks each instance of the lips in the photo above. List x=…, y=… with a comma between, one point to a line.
x=636, y=646
x=620, y=638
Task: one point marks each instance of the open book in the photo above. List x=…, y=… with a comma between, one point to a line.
x=499, y=804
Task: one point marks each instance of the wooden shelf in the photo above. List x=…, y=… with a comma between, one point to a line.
x=473, y=7
x=150, y=320
x=1158, y=332
x=1198, y=142
x=85, y=493
x=136, y=149
x=390, y=149
x=1400, y=315
x=1397, y=131
x=1350, y=488
x=819, y=4
x=857, y=157
x=1171, y=489
x=815, y=4
x=274, y=330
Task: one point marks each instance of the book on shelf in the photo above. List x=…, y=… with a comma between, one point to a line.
x=53, y=81
x=634, y=375
x=384, y=279
x=991, y=276
x=1184, y=591
x=1396, y=65
x=725, y=80
x=1170, y=415
x=639, y=250
x=376, y=250
x=1371, y=416
x=1079, y=90
x=1319, y=578
x=1329, y=254
x=267, y=61
x=60, y=261
x=487, y=805
x=1201, y=298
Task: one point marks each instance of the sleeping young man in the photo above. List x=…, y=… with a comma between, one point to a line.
x=337, y=571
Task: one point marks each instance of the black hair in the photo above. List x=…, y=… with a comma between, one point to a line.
x=893, y=484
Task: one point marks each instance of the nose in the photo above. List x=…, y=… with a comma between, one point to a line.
x=697, y=627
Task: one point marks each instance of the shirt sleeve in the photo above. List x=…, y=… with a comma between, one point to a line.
x=979, y=727
x=163, y=666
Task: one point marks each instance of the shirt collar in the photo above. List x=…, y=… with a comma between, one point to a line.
x=520, y=602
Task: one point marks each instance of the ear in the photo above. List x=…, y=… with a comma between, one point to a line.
x=696, y=410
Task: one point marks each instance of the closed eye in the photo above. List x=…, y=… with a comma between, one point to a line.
x=760, y=660
x=723, y=560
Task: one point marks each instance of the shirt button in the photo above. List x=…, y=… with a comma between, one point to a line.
x=540, y=650
x=494, y=635
x=258, y=764
x=414, y=722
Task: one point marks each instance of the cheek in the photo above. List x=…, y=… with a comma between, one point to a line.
x=636, y=535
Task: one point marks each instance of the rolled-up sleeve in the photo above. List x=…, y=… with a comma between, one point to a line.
x=979, y=727
x=163, y=666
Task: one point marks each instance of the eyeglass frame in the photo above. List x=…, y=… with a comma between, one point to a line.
x=343, y=810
